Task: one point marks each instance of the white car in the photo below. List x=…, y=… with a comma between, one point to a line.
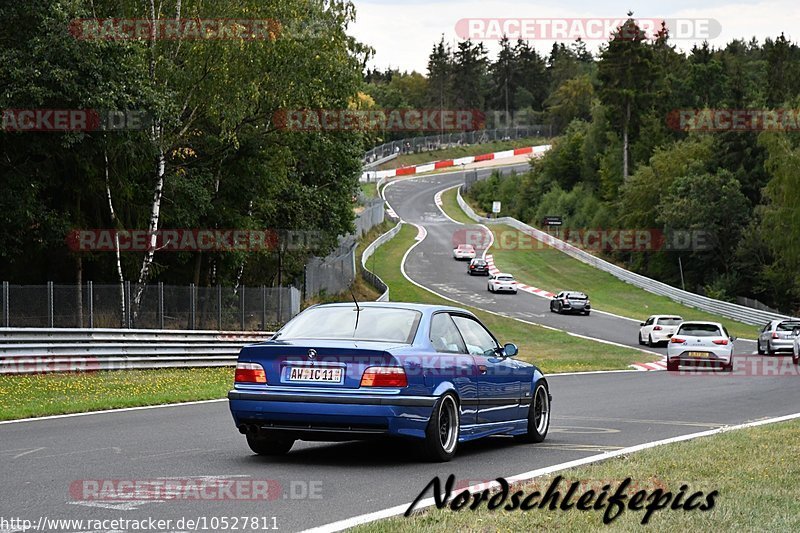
x=464, y=251
x=502, y=283
x=700, y=344
x=796, y=349
x=658, y=329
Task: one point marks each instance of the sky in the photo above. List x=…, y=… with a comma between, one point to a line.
x=403, y=32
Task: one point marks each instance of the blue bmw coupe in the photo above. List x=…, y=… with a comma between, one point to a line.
x=351, y=371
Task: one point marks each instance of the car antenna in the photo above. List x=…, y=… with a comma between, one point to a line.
x=358, y=310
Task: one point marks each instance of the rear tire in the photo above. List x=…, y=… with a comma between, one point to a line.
x=269, y=445
x=538, y=415
x=441, y=435
x=672, y=366
x=728, y=367
x=759, y=349
x=650, y=342
x=641, y=340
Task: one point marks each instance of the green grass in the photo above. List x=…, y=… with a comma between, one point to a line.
x=455, y=152
x=544, y=267
x=26, y=396
x=552, y=351
x=370, y=189
x=755, y=472
x=451, y=207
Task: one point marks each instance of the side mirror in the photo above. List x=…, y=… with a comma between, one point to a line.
x=733, y=339
x=641, y=323
x=510, y=350
x=670, y=335
x=796, y=332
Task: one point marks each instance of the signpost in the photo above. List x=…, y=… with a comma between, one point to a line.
x=495, y=208
x=553, y=221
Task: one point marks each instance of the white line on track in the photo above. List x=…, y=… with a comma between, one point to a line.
x=526, y=476
x=107, y=411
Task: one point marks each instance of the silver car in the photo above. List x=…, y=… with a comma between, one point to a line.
x=700, y=344
x=796, y=348
x=777, y=336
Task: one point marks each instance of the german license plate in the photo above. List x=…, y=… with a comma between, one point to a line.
x=315, y=375
x=698, y=354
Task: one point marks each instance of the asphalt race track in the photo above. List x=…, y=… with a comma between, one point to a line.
x=319, y=483
x=431, y=264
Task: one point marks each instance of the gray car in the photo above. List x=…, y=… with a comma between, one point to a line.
x=777, y=336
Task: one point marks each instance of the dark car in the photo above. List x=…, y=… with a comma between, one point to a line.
x=571, y=302
x=478, y=266
x=429, y=373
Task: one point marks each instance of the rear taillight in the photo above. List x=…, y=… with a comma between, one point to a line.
x=250, y=373
x=472, y=266
x=677, y=340
x=722, y=342
x=775, y=335
x=657, y=328
x=384, y=376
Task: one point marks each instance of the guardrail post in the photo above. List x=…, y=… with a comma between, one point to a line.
x=219, y=307
x=241, y=307
x=6, y=310
x=192, y=306
x=50, y=305
x=90, y=300
x=160, y=305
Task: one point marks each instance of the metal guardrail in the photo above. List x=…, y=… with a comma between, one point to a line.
x=733, y=311
x=370, y=276
x=43, y=350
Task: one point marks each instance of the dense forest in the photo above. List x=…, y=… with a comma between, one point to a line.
x=213, y=157
x=624, y=162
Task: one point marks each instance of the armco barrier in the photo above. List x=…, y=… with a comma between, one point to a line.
x=370, y=276
x=733, y=311
x=42, y=350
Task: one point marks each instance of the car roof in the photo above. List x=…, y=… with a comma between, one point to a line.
x=504, y=274
x=423, y=308
x=701, y=323
x=667, y=316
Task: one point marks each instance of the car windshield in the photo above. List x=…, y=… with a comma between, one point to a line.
x=700, y=330
x=466, y=247
x=788, y=326
x=382, y=324
x=576, y=296
x=505, y=278
x=479, y=262
x=670, y=321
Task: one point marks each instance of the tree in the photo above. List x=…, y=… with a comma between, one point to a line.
x=626, y=72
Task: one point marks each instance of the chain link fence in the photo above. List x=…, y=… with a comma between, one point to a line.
x=336, y=272
x=161, y=306
x=445, y=140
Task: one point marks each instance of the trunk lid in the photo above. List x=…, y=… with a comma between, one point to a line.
x=332, y=364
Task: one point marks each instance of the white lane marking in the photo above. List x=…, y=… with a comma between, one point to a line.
x=106, y=411
x=437, y=199
x=526, y=476
x=440, y=295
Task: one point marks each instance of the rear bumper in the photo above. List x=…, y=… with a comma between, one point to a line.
x=720, y=358
x=781, y=345
x=332, y=416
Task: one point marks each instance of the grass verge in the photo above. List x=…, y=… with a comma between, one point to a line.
x=552, y=351
x=756, y=482
x=26, y=396
x=544, y=267
x=454, y=152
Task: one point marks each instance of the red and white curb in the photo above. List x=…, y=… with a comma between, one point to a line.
x=521, y=286
x=421, y=233
x=650, y=367
x=447, y=163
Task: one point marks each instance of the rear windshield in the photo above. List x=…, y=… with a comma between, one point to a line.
x=382, y=324
x=478, y=262
x=788, y=326
x=700, y=330
x=670, y=321
x=505, y=278
x=465, y=247
x=576, y=296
